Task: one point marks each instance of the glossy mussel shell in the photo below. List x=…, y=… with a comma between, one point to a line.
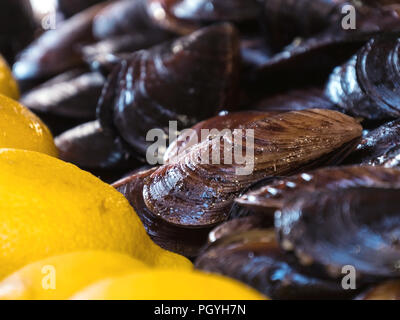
x=368, y=86
x=358, y=227
x=274, y=194
x=187, y=81
x=255, y=258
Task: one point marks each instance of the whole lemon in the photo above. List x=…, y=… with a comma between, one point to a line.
x=168, y=285
x=60, y=276
x=21, y=129
x=8, y=85
x=52, y=207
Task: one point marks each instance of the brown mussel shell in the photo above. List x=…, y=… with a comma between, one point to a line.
x=389, y=290
x=187, y=241
x=186, y=16
x=274, y=194
x=368, y=86
x=56, y=50
x=73, y=94
x=379, y=147
x=358, y=227
x=255, y=258
x=17, y=27
x=187, y=80
x=230, y=121
x=190, y=192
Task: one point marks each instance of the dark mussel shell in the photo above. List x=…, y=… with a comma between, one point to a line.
x=186, y=16
x=56, y=50
x=310, y=61
x=296, y=100
x=190, y=194
x=379, y=147
x=71, y=7
x=187, y=80
x=358, y=227
x=17, y=27
x=73, y=94
x=285, y=20
x=255, y=258
x=125, y=17
x=104, y=55
x=274, y=194
x=88, y=147
x=368, y=85
x=388, y=290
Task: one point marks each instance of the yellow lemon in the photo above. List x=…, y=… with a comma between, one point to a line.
x=168, y=285
x=61, y=276
x=8, y=85
x=51, y=207
x=21, y=129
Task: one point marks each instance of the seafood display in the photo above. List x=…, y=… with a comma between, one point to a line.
x=259, y=139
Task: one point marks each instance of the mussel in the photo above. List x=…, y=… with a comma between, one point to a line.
x=356, y=227
x=17, y=27
x=56, y=50
x=71, y=7
x=73, y=94
x=367, y=85
x=187, y=80
x=186, y=16
x=274, y=194
x=193, y=194
x=255, y=258
x=126, y=17
x=88, y=147
x=379, y=147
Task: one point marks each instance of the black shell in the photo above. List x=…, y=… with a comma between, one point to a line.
x=368, y=85
x=357, y=227
x=73, y=94
x=187, y=80
x=255, y=258
x=379, y=147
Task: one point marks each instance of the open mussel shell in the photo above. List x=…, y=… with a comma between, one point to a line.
x=73, y=94
x=56, y=51
x=125, y=17
x=187, y=241
x=186, y=16
x=17, y=27
x=367, y=86
x=255, y=258
x=388, y=290
x=379, y=147
x=71, y=7
x=187, y=80
x=358, y=227
x=274, y=195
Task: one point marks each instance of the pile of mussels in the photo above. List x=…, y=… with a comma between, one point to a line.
x=318, y=93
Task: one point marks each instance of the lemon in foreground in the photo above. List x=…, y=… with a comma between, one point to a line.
x=60, y=276
x=8, y=85
x=50, y=207
x=21, y=129
x=168, y=285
